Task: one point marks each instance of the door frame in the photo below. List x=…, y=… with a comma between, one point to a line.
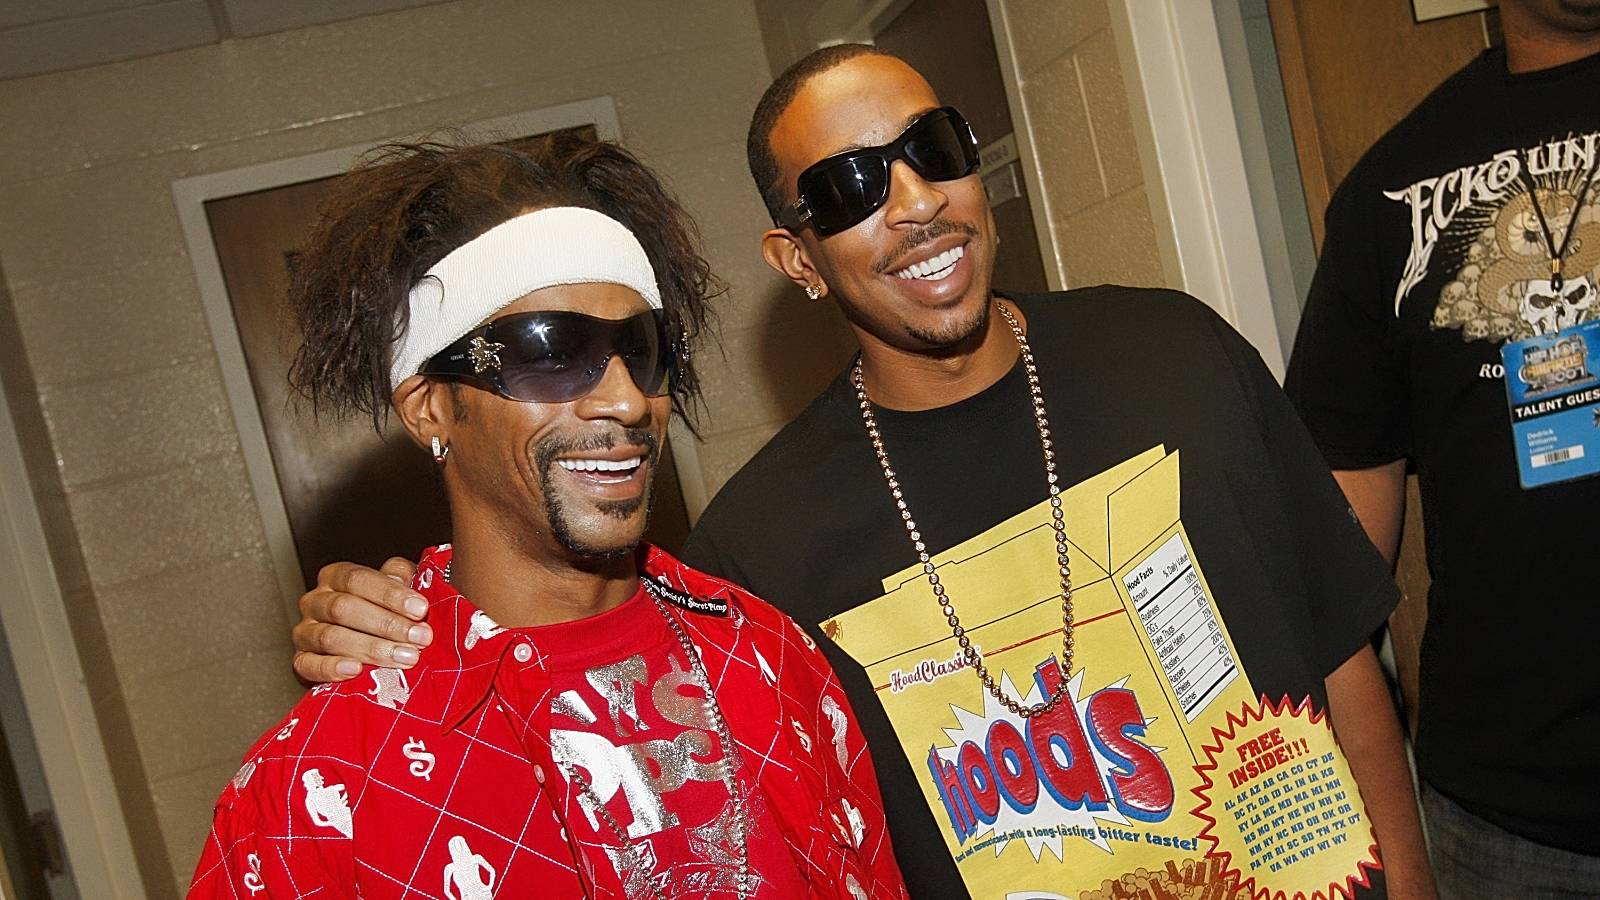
x=190, y=196
x=55, y=692
x=1194, y=163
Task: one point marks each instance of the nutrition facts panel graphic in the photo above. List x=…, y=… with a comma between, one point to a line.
x=1182, y=624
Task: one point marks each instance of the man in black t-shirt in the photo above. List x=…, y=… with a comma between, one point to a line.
x=993, y=466
x=1436, y=295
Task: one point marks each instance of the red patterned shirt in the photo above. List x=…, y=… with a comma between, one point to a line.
x=573, y=760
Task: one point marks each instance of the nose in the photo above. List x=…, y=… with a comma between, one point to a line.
x=615, y=397
x=912, y=199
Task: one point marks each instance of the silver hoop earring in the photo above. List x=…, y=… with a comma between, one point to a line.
x=440, y=450
x=813, y=292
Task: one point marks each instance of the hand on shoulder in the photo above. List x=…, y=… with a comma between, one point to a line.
x=359, y=616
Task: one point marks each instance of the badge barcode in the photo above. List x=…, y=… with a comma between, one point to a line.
x=1539, y=460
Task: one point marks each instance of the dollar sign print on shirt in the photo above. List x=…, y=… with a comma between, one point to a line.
x=421, y=760
x=252, y=878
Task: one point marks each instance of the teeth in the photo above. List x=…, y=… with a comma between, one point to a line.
x=935, y=269
x=599, y=465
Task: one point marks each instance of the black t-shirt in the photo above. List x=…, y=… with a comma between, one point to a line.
x=809, y=523
x=1434, y=259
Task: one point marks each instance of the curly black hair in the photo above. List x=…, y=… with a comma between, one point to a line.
x=404, y=207
x=781, y=93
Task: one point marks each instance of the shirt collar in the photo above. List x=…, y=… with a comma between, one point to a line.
x=461, y=663
x=469, y=647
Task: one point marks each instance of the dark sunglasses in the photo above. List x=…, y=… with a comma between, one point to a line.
x=841, y=191
x=554, y=357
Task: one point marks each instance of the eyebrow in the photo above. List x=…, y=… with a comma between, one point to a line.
x=909, y=121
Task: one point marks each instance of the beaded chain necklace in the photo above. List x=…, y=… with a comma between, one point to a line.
x=972, y=657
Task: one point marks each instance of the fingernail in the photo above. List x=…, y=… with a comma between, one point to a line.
x=421, y=635
x=347, y=667
x=406, y=656
x=416, y=607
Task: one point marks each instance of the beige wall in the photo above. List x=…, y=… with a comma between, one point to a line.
x=1082, y=122
x=135, y=455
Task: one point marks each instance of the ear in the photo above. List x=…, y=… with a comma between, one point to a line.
x=425, y=408
x=789, y=257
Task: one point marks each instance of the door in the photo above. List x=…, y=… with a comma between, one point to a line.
x=1351, y=70
x=349, y=494
x=951, y=43
x=33, y=864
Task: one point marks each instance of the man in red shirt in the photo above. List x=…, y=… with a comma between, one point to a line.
x=572, y=730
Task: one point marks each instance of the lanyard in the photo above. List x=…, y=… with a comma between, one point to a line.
x=1557, y=254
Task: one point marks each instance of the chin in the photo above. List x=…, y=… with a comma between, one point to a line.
x=956, y=326
x=607, y=531
x=598, y=546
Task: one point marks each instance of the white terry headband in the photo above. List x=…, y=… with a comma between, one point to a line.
x=559, y=245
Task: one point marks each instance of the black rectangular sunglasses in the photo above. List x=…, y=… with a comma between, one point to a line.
x=842, y=190
x=557, y=356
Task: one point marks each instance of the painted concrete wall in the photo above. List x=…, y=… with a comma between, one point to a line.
x=1072, y=85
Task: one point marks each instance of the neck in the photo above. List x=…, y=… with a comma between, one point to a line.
x=1532, y=43
x=519, y=587
x=913, y=380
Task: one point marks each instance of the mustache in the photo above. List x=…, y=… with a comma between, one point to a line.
x=556, y=445
x=915, y=238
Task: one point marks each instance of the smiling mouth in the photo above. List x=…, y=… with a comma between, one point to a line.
x=603, y=471
x=936, y=269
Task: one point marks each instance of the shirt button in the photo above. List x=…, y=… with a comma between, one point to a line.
x=538, y=773
x=523, y=653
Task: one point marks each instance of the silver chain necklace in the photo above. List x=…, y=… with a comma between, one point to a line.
x=730, y=765
x=972, y=657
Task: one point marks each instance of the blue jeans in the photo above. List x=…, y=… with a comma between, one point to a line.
x=1477, y=860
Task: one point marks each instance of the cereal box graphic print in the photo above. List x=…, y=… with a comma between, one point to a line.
x=1163, y=774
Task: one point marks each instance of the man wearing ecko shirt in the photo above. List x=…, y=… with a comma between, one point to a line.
x=594, y=718
x=1082, y=572
x=1452, y=327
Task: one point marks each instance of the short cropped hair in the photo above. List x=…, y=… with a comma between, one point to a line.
x=781, y=93
x=406, y=206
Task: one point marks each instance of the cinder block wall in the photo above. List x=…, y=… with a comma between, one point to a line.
x=150, y=513
x=1083, y=129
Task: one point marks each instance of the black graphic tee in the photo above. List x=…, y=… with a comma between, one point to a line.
x=1434, y=259
x=809, y=523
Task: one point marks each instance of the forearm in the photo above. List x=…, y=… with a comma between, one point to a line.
x=1368, y=729
x=1378, y=496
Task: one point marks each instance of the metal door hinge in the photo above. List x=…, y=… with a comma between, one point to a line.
x=48, y=849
